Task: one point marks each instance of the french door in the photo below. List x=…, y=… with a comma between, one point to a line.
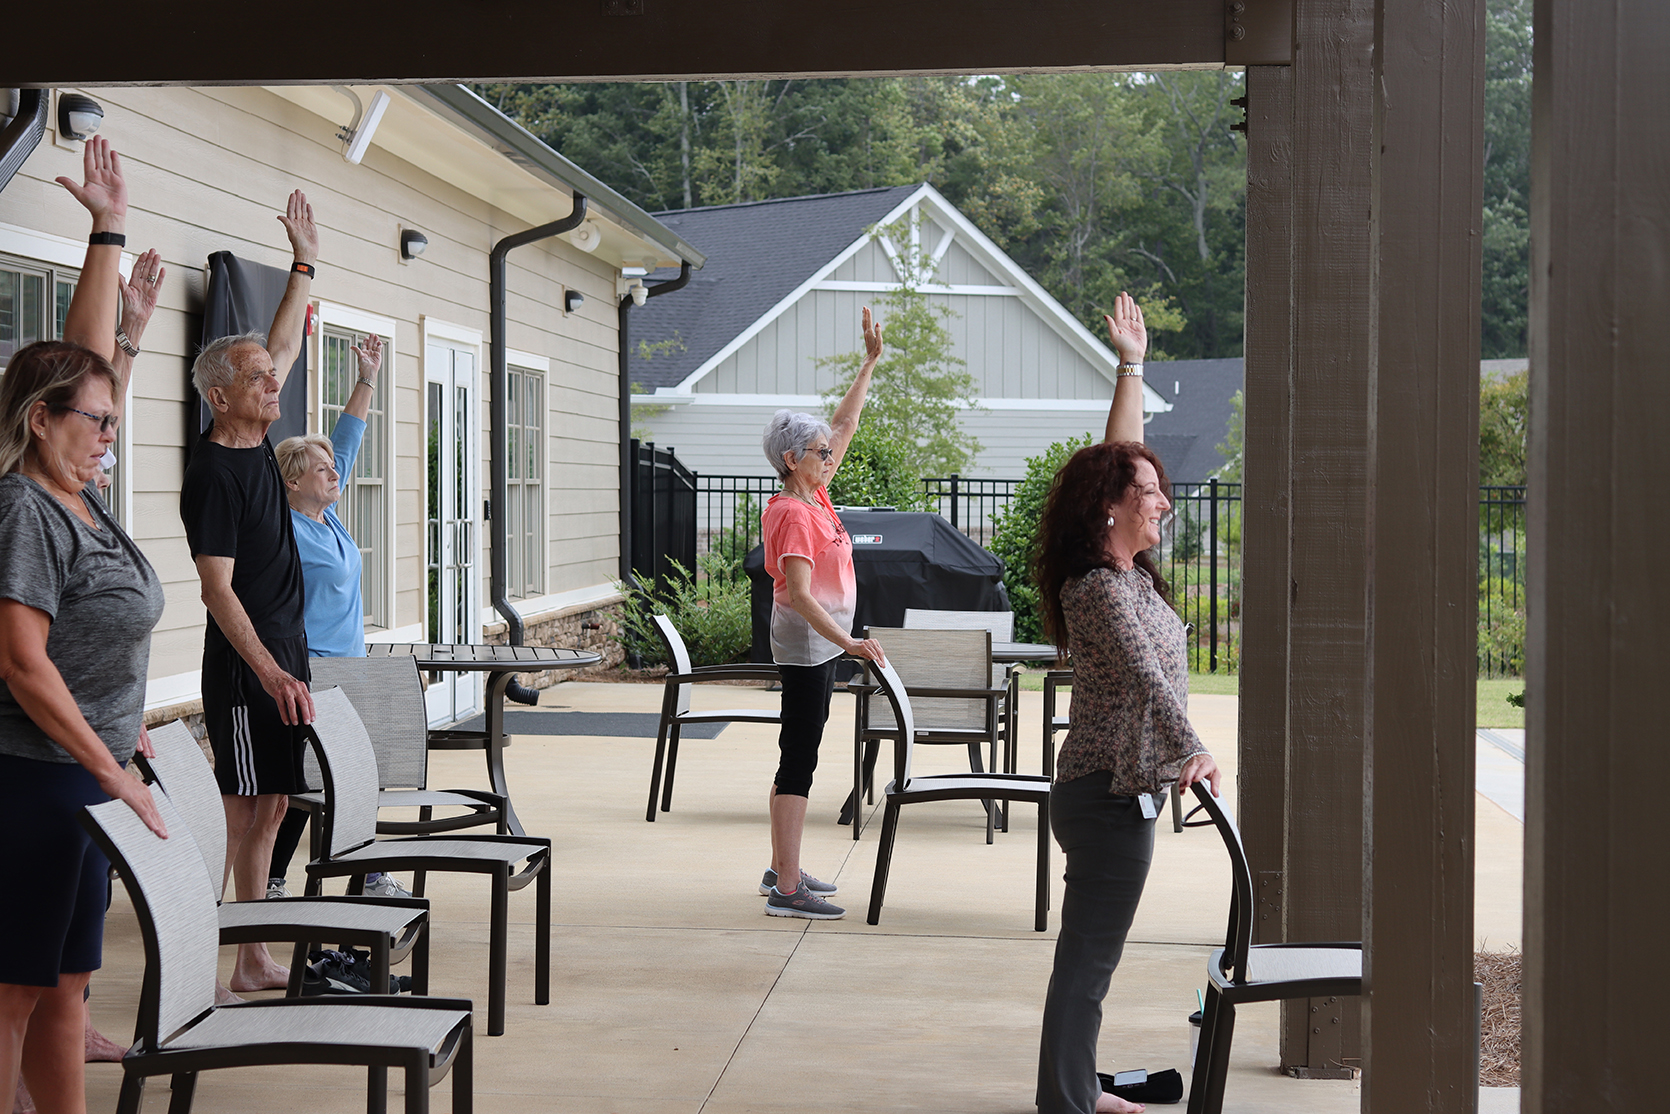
x=453, y=531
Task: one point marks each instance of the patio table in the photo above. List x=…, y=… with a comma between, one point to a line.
x=500, y=663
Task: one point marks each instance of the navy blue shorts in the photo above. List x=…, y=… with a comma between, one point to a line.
x=53, y=877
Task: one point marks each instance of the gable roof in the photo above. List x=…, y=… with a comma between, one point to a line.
x=1186, y=437
x=765, y=251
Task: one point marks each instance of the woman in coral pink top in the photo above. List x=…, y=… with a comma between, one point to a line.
x=809, y=557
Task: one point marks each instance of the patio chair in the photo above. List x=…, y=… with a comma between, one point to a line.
x=1054, y=681
x=968, y=710
x=1241, y=971
x=390, y=928
x=675, y=708
x=908, y=788
x=349, y=847
x=181, y=1032
x=1007, y=674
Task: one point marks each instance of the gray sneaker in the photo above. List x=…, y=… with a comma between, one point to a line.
x=386, y=886
x=276, y=889
x=801, y=903
x=822, y=889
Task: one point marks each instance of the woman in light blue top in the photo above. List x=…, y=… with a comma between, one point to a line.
x=313, y=467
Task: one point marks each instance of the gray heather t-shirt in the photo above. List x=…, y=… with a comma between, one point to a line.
x=103, y=599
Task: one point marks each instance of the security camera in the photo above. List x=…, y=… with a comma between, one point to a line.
x=640, y=293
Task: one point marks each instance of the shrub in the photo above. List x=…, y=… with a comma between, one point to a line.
x=1015, y=531
x=877, y=471
x=1501, y=628
x=710, y=611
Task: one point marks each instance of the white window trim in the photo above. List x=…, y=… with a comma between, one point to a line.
x=348, y=318
x=528, y=361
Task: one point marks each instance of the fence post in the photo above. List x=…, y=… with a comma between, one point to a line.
x=1213, y=562
x=954, y=500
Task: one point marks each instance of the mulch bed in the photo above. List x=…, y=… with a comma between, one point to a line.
x=1499, y=1030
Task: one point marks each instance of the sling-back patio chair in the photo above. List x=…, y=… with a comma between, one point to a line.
x=390, y=928
x=680, y=682
x=1242, y=971
x=965, y=707
x=908, y=787
x=349, y=847
x=181, y=1031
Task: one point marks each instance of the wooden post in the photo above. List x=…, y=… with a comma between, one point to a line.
x=1428, y=158
x=1597, y=890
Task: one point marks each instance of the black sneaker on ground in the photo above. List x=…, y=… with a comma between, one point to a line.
x=801, y=903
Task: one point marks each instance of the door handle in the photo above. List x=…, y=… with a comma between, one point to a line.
x=466, y=534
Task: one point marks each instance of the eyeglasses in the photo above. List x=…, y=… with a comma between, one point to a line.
x=826, y=452
x=107, y=422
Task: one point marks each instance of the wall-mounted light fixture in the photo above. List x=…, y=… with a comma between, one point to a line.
x=412, y=243
x=79, y=116
x=572, y=300
x=631, y=284
x=586, y=237
x=357, y=134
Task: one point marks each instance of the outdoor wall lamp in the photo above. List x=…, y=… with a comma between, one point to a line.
x=572, y=300
x=79, y=116
x=412, y=243
x=639, y=292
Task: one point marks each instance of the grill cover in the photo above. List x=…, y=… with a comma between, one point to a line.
x=900, y=560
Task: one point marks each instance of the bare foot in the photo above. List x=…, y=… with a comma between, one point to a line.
x=101, y=1047
x=223, y=996
x=22, y=1103
x=1113, y=1104
x=255, y=970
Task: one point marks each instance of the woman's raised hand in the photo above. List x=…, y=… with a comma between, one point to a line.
x=872, y=337
x=1126, y=332
x=104, y=193
x=370, y=357
x=139, y=293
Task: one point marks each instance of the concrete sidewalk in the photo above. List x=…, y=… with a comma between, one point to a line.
x=670, y=987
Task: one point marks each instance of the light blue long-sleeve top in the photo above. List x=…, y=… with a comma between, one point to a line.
x=334, y=615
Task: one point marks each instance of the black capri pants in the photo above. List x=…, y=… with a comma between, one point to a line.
x=807, y=690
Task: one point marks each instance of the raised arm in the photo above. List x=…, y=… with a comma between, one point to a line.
x=284, y=339
x=370, y=363
x=845, y=421
x=139, y=301
x=1129, y=337
x=91, y=320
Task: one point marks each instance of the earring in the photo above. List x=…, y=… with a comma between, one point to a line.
x=1110, y=520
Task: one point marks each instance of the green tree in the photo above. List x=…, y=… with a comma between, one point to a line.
x=1504, y=413
x=1015, y=533
x=877, y=472
x=1235, y=439
x=920, y=385
x=1505, y=294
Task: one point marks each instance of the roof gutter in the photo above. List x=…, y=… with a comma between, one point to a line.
x=20, y=137
x=498, y=412
x=627, y=479
x=526, y=150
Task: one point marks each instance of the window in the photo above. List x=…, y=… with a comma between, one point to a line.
x=525, y=514
x=364, y=506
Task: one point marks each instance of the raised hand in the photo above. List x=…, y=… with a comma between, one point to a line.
x=370, y=357
x=139, y=293
x=1126, y=332
x=872, y=337
x=104, y=193
x=297, y=220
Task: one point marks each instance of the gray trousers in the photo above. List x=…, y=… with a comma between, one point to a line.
x=1109, y=846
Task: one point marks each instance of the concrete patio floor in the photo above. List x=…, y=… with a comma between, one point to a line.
x=671, y=989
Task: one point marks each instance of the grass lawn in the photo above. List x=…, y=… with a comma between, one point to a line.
x=1209, y=684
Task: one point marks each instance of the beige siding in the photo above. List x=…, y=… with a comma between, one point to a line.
x=208, y=170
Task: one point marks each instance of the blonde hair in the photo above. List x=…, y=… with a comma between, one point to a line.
x=49, y=371
x=292, y=454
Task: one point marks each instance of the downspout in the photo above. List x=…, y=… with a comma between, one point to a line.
x=23, y=133
x=498, y=381
x=627, y=479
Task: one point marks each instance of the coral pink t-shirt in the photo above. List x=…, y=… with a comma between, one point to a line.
x=792, y=528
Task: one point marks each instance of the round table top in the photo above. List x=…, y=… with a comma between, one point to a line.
x=481, y=658
x=1023, y=651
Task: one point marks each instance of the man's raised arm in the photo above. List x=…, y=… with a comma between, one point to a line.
x=284, y=339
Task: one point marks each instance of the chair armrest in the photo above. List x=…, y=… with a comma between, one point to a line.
x=1058, y=677
x=722, y=673
x=862, y=688
x=764, y=671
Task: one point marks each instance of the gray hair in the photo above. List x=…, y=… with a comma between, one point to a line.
x=790, y=431
x=293, y=452
x=215, y=366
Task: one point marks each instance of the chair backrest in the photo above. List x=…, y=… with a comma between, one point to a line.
x=1000, y=623
x=938, y=658
x=388, y=695
x=678, y=657
x=1238, y=936
x=894, y=689
x=183, y=771
x=350, y=769
x=172, y=896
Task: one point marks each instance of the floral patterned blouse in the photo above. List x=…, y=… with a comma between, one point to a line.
x=1130, y=683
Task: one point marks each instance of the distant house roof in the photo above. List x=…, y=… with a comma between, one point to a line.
x=1187, y=436
x=761, y=252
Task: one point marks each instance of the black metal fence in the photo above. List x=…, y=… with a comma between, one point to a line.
x=970, y=504
x=1501, y=581
x=1200, y=556
x=663, y=513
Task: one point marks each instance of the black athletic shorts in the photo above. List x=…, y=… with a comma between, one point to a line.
x=255, y=751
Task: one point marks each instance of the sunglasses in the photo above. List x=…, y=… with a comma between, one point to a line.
x=826, y=452
x=107, y=422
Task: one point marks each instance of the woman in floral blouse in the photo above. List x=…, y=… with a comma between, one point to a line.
x=1104, y=599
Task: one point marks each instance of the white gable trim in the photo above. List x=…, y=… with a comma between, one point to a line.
x=981, y=246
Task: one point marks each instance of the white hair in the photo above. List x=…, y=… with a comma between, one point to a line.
x=214, y=366
x=790, y=431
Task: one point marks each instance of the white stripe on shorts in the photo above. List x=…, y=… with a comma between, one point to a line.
x=243, y=751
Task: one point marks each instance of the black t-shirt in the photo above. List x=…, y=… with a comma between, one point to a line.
x=233, y=505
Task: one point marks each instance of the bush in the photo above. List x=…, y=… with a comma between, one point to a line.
x=710, y=611
x=876, y=471
x=1501, y=628
x=1015, y=531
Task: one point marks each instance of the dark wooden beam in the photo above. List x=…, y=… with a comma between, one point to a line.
x=208, y=42
x=1597, y=889
x=1428, y=186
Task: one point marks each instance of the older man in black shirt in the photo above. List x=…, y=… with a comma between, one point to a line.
x=255, y=674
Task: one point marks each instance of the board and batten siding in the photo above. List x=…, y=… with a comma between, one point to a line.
x=208, y=170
